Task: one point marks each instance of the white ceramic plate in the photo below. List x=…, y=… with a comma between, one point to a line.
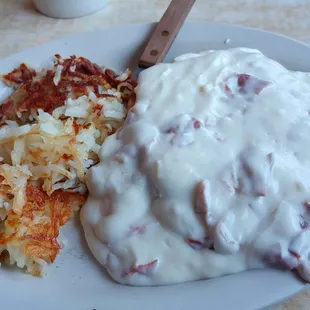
x=75, y=281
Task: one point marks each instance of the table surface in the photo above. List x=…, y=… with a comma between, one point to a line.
x=22, y=27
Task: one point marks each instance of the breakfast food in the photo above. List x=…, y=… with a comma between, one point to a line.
x=51, y=129
x=209, y=174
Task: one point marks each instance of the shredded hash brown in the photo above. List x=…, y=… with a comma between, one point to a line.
x=51, y=129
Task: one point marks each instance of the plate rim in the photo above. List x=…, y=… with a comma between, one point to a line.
x=152, y=24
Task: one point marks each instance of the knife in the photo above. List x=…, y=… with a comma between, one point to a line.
x=164, y=34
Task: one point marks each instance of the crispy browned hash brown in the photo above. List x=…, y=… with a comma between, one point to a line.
x=51, y=129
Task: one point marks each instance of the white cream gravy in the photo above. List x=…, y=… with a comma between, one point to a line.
x=210, y=174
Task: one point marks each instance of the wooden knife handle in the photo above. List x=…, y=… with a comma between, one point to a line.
x=165, y=32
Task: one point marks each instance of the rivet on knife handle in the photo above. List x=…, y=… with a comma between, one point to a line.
x=165, y=32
